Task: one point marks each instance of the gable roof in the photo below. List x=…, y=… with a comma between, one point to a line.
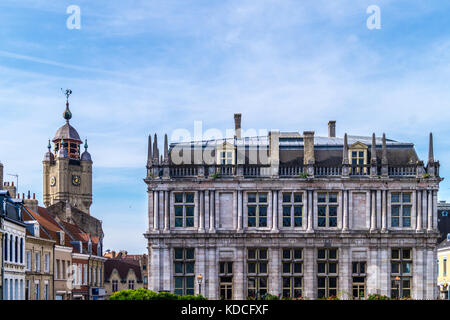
x=123, y=266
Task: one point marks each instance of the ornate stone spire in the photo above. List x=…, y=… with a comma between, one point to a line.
x=345, y=151
x=373, y=150
x=166, y=149
x=430, y=149
x=155, y=150
x=384, y=160
x=149, y=151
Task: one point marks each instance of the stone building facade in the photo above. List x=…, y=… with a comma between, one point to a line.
x=292, y=214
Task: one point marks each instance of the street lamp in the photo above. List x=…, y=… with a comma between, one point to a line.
x=199, y=280
x=397, y=282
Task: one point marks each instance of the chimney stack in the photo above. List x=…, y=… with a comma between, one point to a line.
x=308, y=147
x=332, y=129
x=237, y=125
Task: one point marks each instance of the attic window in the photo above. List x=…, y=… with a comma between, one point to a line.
x=357, y=153
x=225, y=154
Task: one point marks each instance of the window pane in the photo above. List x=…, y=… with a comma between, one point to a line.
x=251, y=254
x=298, y=197
x=332, y=282
x=189, y=197
x=321, y=254
x=178, y=222
x=189, y=211
x=361, y=154
x=322, y=211
x=395, y=197
x=333, y=222
x=262, y=267
x=189, y=282
x=332, y=211
x=298, y=211
x=332, y=197
x=263, y=254
x=321, y=267
x=332, y=253
x=251, y=267
x=262, y=222
x=406, y=222
x=406, y=254
x=395, y=254
x=297, y=222
x=407, y=197
x=286, y=254
x=406, y=211
x=395, y=268
x=189, y=254
x=395, y=222
x=321, y=197
x=395, y=211
x=286, y=268
x=178, y=267
x=406, y=268
x=229, y=155
x=287, y=222
x=286, y=197
x=178, y=283
x=321, y=222
x=252, y=197
x=189, y=222
x=354, y=153
x=178, y=197
x=251, y=211
x=298, y=267
x=332, y=267
x=355, y=267
x=178, y=254
x=262, y=210
x=298, y=254
x=189, y=267
x=178, y=211
x=251, y=222
x=263, y=197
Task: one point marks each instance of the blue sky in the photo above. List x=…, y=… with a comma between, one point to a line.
x=139, y=67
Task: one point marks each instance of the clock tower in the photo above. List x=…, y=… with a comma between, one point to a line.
x=67, y=172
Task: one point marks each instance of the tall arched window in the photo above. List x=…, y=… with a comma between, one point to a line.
x=11, y=240
x=5, y=242
x=16, y=252
x=21, y=250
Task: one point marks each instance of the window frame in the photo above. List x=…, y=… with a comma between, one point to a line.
x=257, y=277
x=183, y=275
x=292, y=275
x=184, y=204
x=292, y=204
x=327, y=204
x=258, y=205
x=401, y=261
x=401, y=204
x=327, y=275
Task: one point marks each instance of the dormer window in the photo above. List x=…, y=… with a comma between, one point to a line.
x=225, y=154
x=357, y=153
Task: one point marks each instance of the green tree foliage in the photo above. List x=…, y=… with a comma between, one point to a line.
x=145, y=294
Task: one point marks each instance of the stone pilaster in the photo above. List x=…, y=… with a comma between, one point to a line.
x=310, y=269
x=275, y=211
x=274, y=271
x=239, y=210
x=156, y=210
x=345, y=209
x=166, y=211
x=201, y=227
x=240, y=275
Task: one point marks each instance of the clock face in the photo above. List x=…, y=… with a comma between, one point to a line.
x=53, y=181
x=76, y=180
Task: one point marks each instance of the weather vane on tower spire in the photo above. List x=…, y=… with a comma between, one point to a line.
x=67, y=114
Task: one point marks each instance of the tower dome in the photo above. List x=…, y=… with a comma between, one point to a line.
x=68, y=134
x=86, y=156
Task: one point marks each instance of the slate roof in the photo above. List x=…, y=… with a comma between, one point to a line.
x=122, y=266
x=327, y=151
x=67, y=132
x=444, y=244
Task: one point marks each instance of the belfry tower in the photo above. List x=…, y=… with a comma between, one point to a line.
x=67, y=174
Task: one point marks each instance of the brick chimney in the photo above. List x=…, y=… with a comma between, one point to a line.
x=31, y=203
x=237, y=125
x=332, y=129
x=308, y=149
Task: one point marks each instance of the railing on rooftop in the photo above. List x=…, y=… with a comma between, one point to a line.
x=288, y=171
